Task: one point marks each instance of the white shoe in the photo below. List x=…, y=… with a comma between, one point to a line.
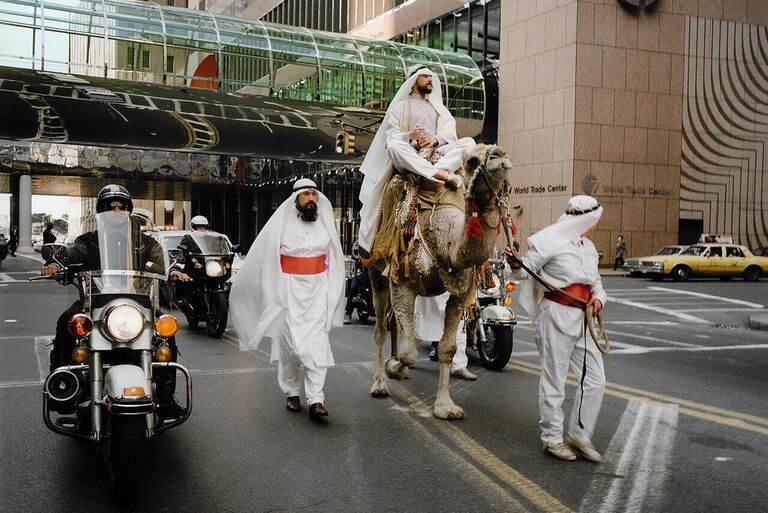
x=560, y=451
x=464, y=373
x=585, y=449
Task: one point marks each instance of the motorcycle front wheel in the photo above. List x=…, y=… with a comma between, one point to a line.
x=123, y=453
x=496, y=350
x=218, y=311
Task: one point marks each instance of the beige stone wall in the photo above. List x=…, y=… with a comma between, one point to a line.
x=594, y=96
x=536, y=106
x=628, y=117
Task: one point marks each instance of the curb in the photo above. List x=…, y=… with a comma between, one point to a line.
x=759, y=321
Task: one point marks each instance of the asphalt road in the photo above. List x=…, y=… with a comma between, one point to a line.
x=684, y=423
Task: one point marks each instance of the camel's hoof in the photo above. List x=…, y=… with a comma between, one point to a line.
x=379, y=391
x=449, y=412
x=395, y=369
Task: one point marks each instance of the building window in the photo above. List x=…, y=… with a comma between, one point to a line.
x=131, y=57
x=145, y=59
x=170, y=2
x=169, y=64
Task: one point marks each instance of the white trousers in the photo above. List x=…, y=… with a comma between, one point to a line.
x=559, y=352
x=404, y=157
x=429, y=319
x=288, y=366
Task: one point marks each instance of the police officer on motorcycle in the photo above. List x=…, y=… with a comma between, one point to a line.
x=359, y=272
x=188, y=263
x=85, y=251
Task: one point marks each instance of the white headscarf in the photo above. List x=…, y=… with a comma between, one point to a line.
x=377, y=165
x=581, y=214
x=258, y=299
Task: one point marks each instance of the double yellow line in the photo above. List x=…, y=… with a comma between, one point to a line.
x=692, y=409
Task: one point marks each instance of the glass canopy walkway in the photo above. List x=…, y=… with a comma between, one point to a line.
x=146, y=42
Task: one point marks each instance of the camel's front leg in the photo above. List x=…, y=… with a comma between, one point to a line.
x=444, y=407
x=403, y=300
x=380, y=387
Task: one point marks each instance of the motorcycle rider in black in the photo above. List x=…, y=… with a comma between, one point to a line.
x=190, y=264
x=85, y=250
x=354, y=286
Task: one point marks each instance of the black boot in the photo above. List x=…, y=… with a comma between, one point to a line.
x=433, y=352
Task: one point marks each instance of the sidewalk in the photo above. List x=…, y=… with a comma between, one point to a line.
x=608, y=271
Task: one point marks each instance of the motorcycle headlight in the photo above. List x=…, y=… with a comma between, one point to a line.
x=214, y=269
x=124, y=322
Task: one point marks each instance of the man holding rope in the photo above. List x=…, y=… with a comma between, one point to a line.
x=567, y=262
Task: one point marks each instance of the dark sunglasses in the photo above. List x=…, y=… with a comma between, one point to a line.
x=119, y=204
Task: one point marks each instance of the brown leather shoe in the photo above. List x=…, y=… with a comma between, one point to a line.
x=317, y=410
x=293, y=403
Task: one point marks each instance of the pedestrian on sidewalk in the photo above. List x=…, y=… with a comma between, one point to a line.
x=13, y=242
x=621, y=249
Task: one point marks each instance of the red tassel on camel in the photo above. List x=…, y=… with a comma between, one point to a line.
x=474, y=230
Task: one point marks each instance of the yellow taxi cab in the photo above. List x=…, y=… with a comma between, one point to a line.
x=706, y=260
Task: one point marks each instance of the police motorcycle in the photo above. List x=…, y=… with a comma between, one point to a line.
x=206, y=297
x=108, y=397
x=490, y=322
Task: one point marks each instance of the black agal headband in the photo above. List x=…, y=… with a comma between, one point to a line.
x=579, y=212
x=417, y=70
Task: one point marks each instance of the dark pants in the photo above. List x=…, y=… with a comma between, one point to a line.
x=618, y=262
x=354, y=288
x=64, y=344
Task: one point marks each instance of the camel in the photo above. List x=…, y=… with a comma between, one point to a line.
x=446, y=247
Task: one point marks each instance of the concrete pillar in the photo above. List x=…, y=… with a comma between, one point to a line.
x=25, y=213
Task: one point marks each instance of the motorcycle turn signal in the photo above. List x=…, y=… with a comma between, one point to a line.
x=166, y=326
x=163, y=353
x=80, y=325
x=80, y=354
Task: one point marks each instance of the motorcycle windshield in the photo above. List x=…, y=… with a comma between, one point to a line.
x=211, y=244
x=123, y=246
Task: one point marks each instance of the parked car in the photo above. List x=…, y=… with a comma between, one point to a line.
x=635, y=265
x=706, y=260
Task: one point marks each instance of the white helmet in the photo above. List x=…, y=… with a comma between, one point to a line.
x=199, y=221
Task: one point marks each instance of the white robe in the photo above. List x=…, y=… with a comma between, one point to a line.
x=263, y=299
x=559, y=336
x=306, y=315
x=393, y=137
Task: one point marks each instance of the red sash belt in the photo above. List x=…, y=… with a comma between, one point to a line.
x=302, y=265
x=579, y=290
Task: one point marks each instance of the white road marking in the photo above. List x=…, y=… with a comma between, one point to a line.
x=10, y=321
x=665, y=311
x=718, y=310
x=19, y=384
x=718, y=298
x=647, y=323
x=696, y=349
x=636, y=462
x=42, y=351
x=651, y=338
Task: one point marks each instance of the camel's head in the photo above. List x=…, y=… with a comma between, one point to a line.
x=486, y=169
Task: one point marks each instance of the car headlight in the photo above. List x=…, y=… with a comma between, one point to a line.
x=124, y=322
x=213, y=268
